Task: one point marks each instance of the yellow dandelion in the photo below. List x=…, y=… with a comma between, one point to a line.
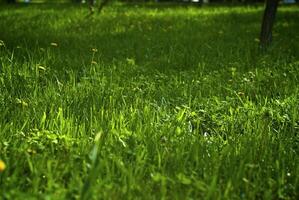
x=2, y=166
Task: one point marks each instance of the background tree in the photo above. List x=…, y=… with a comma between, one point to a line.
x=267, y=23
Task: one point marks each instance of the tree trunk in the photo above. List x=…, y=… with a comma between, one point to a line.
x=268, y=21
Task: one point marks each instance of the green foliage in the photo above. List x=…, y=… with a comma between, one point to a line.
x=151, y=103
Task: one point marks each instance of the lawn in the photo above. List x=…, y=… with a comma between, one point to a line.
x=148, y=102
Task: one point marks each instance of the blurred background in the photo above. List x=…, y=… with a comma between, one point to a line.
x=171, y=1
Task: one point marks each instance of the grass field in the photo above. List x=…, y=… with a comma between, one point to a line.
x=148, y=102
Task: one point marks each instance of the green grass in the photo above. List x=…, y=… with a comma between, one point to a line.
x=172, y=103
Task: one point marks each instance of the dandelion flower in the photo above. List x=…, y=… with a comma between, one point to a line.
x=2, y=166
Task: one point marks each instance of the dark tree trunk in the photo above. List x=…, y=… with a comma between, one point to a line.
x=268, y=21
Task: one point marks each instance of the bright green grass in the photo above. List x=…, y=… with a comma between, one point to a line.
x=177, y=103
